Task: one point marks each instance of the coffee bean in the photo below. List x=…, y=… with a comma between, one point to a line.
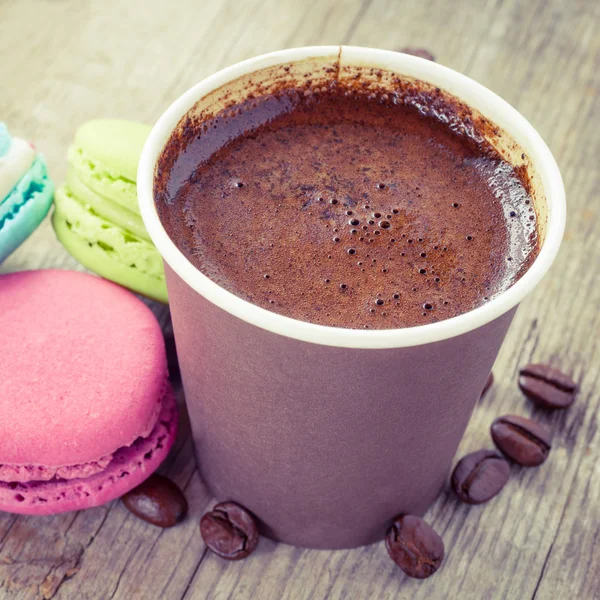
x=488, y=384
x=547, y=387
x=414, y=546
x=172, y=362
x=479, y=476
x=420, y=52
x=230, y=531
x=523, y=440
x=158, y=501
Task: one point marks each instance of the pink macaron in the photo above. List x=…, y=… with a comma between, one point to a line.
x=86, y=409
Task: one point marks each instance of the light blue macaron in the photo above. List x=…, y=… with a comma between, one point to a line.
x=27, y=203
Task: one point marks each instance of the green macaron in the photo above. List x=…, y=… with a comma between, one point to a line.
x=96, y=214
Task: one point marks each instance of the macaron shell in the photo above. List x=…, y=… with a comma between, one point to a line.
x=129, y=467
x=84, y=368
x=107, y=249
x=25, y=207
x=115, y=143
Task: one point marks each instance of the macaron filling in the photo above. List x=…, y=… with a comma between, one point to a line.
x=28, y=473
x=102, y=179
x=105, y=207
x=14, y=164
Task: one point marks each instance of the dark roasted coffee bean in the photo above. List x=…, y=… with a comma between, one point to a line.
x=420, y=52
x=229, y=530
x=172, y=361
x=547, y=387
x=488, y=384
x=158, y=501
x=523, y=440
x=479, y=476
x=414, y=546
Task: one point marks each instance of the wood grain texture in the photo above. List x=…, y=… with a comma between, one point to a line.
x=70, y=61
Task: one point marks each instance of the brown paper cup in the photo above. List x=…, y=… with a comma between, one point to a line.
x=326, y=434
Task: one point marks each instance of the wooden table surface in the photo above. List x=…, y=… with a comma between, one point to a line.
x=67, y=61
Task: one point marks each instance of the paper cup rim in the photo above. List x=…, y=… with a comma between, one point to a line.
x=461, y=86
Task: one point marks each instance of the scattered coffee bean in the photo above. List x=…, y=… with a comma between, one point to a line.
x=172, y=362
x=523, y=440
x=414, y=546
x=420, y=52
x=230, y=531
x=488, y=384
x=158, y=501
x=547, y=387
x=479, y=476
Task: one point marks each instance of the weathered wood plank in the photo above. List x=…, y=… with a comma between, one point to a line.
x=539, y=537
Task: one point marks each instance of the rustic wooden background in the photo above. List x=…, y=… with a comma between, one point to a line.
x=63, y=62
